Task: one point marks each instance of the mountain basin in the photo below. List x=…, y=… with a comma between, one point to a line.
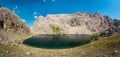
x=57, y=41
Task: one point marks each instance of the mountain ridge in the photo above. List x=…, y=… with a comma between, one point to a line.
x=9, y=21
x=11, y=27
x=89, y=23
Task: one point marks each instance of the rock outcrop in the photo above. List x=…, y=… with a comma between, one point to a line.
x=79, y=23
x=11, y=27
x=10, y=22
x=114, y=29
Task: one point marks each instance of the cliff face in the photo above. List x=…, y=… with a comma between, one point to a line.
x=114, y=29
x=10, y=22
x=79, y=23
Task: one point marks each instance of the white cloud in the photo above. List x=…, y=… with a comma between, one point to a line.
x=35, y=13
x=35, y=17
x=13, y=11
x=53, y=0
x=44, y=0
x=23, y=20
x=16, y=6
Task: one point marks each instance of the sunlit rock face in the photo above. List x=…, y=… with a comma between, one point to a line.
x=78, y=23
x=10, y=22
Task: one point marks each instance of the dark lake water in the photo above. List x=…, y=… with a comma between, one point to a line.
x=57, y=41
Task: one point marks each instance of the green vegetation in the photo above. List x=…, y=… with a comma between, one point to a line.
x=18, y=35
x=55, y=29
x=105, y=46
x=96, y=35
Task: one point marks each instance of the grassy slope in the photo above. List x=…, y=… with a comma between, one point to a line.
x=103, y=47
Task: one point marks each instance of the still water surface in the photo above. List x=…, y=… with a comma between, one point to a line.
x=57, y=41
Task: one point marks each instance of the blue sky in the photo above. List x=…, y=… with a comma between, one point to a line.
x=29, y=10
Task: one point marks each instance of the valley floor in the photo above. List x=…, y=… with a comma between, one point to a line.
x=104, y=47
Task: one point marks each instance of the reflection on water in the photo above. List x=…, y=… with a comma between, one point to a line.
x=57, y=41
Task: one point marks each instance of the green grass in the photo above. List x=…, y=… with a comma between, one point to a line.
x=96, y=35
x=11, y=51
x=104, y=46
x=19, y=35
x=55, y=29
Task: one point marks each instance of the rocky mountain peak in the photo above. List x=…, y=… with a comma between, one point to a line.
x=78, y=23
x=10, y=22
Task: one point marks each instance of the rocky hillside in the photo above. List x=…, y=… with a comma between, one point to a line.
x=114, y=29
x=11, y=27
x=78, y=23
x=10, y=22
